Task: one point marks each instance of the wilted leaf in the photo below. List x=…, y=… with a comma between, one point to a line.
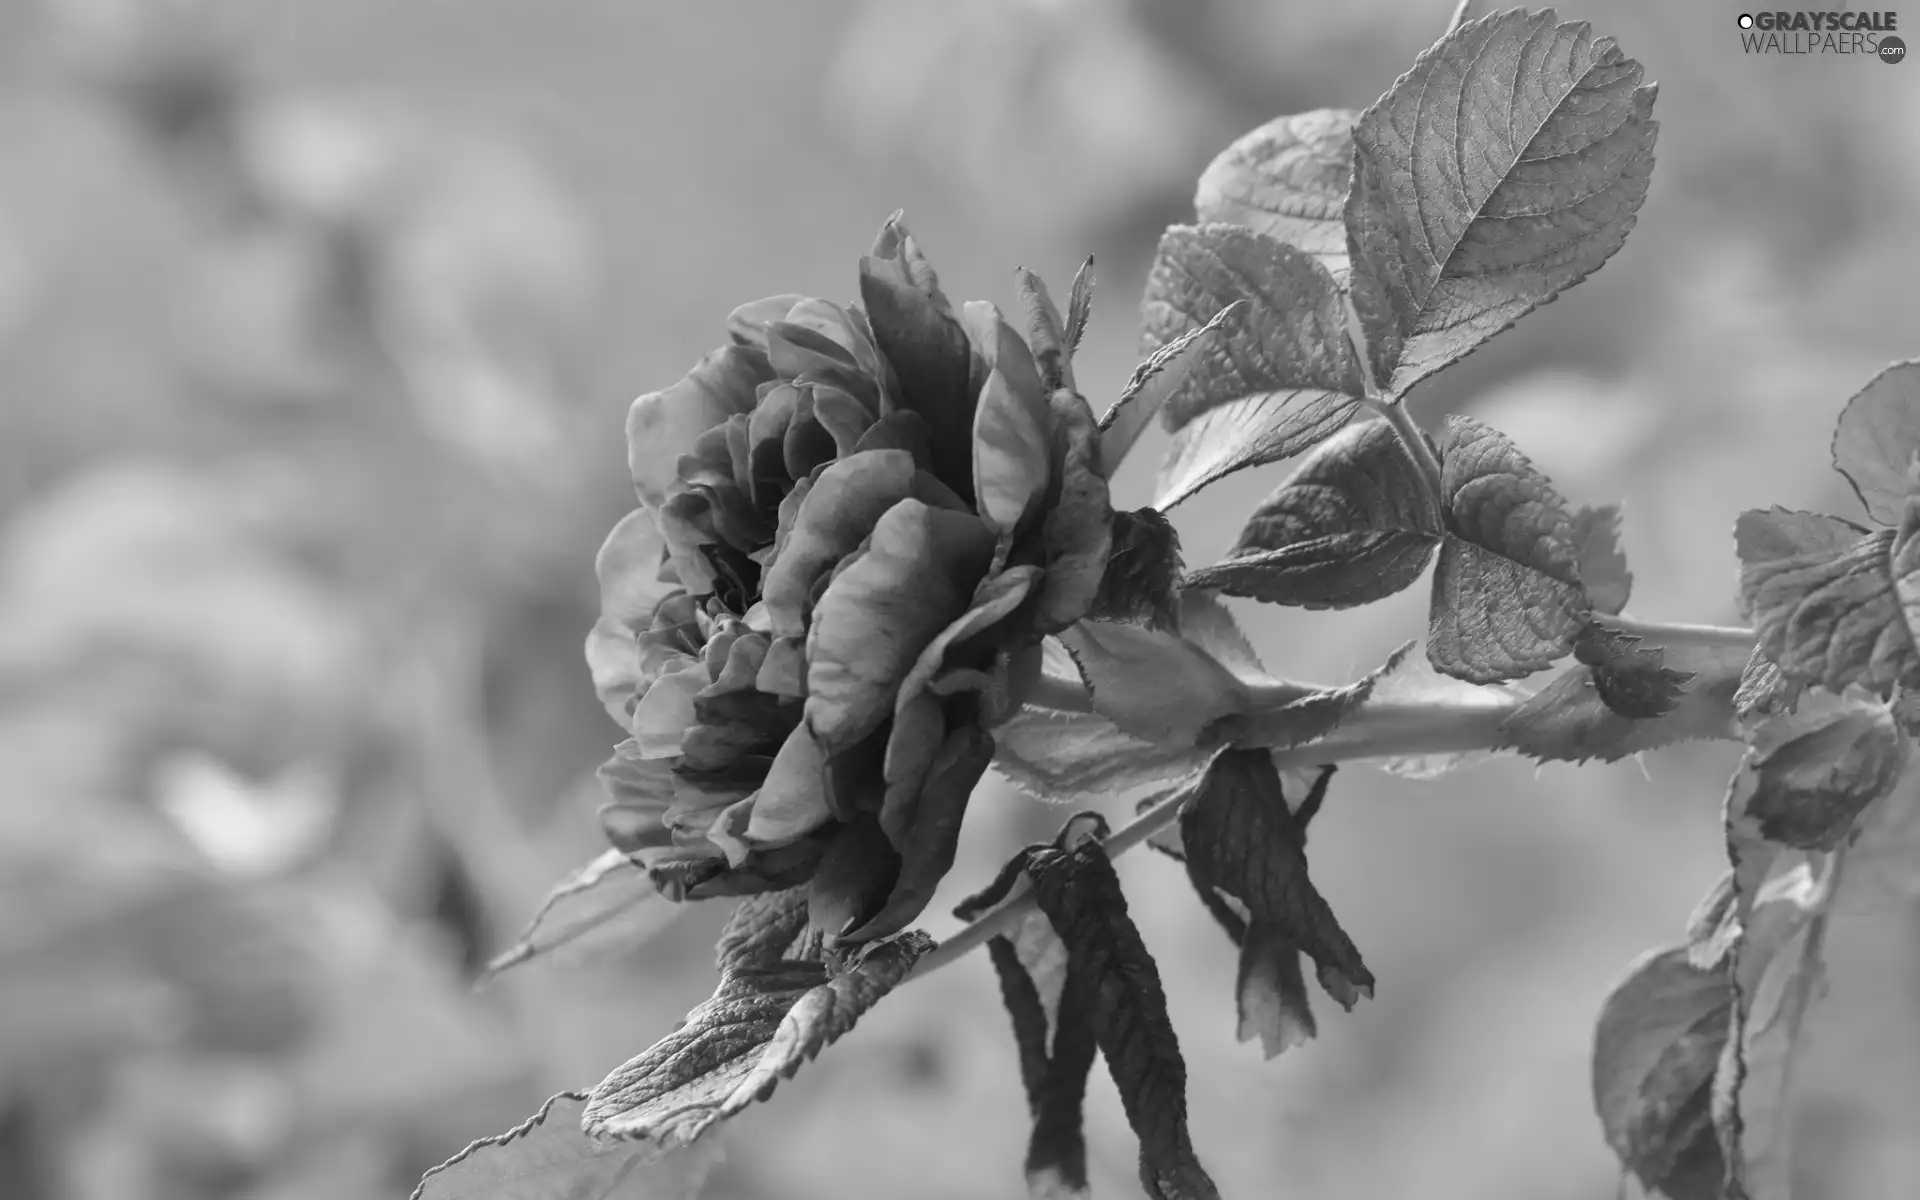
x=1808, y=774
x=549, y=1158
x=1603, y=566
x=764, y=1021
x=1287, y=179
x=1507, y=598
x=1656, y=1047
x=1142, y=580
x=607, y=906
x=1151, y=683
x=1630, y=677
x=1158, y=378
x=1356, y=523
x=1504, y=168
x=1877, y=439
x=1825, y=613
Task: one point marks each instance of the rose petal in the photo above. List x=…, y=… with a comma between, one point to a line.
x=742, y=664
x=1077, y=534
x=845, y=328
x=853, y=880
x=916, y=575
x=928, y=350
x=793, y=801
x=931, y=829
x=794, y=349
x=992, y=602
x=728, y=831
x=841, y=415
x=640, y=791
x=686, y=524
x=919, y=728
x=838, y=510
x=661, y=718
x=898, y=431
x=661, y=426
x=747, y=325
x=628, y=567
x=1012, y=454
x=807, y=444
x=784, y=673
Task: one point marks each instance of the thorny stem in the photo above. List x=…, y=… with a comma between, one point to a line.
x=1377, y=729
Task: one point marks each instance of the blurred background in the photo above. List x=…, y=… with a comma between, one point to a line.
x=318, y=323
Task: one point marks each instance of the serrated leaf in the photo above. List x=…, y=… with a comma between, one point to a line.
x=761, y=1024
x=1603, y=566
x=1249, y=432
x=1504, y=168
x=1080, y=304
x=1287, y=179
x=763, y=927
x=1153, y=684
x=1809, y=774
x=1158, y=378
x=1629, y=676
x=1242, y=841
x=1656, y=1048
x=1291, y=346
x=1060, y=756
x=1075, y=887
x=1825, y=613
x=1764, y=689
x=549, y=1158
x=607, y=906
x=1279, y=725
x=1568, y=721
x=1507, y=598
x=1142, y=579
x=1877, y=439
x=1355, y=524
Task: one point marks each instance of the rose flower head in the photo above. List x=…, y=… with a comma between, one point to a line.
x=855, y=525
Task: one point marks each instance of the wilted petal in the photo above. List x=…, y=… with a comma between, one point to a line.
x=992, y=602
x=916, y=575
x=842, y=505
x=661, y=718
x=854, y=878
x=842, y=416
x=931, y=829
x=919, y=729
x=742, y=665
x=794, y=350
x=1077, y=534
x=628, y=567
x=793, y=801
x=916, y=331
x=747, y=325
x=639, y=790
x=728, y=831
x=661, y=426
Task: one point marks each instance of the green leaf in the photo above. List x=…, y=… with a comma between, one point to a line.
x=1568, y=720
x=1112, y=987
x=1064, y=756
x=761, y=1024
x=1603, y=567
x=1630, y=677
x=1291, y=342
x=1810, y=773
x=1504, y=168
x=915, y=328
x=1079, y=305
x=1826, y=613
x=1153, y=684
x=1877, y=440
x=1249, y=432
x=1142, y=580
x=1287, y=179
x=1656, y=1048
x=1507, y=598
x=1241, y=841
x=606, y=907
x=1355, y=524
x=1157, y=379
x=549, y=1158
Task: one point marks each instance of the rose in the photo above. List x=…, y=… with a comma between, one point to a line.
x=855, y=526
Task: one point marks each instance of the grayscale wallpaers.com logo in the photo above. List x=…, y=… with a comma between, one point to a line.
x=1863, y=33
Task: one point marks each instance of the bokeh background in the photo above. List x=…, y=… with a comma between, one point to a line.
x=318, y=322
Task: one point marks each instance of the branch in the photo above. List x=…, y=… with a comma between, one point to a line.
x=1460, y=723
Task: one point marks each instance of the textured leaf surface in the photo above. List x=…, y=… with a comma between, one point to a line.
x=1062, y=756
x=1629, y=676
x=1153, y=684
x=1878, y=438
x=1505, y=167
x=1569, y=721
x=1249, y=432
x=1290, y=345
x=1603, y=566
x=1507, y=597
x=1142, y=580
x=605, y=907
x=1656, y=1048
x=1287, y=179
x=1809, y=773
x=1159, y=377
x=1356, y=523
x=549, y=1158
x=764, y=1020
x=1826, y=613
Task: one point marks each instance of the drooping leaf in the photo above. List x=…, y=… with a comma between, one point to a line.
x=549, y=1158
x=1877, y=439
x=1153, y=684
x=1158, y=378
x=1808, y=774
x=1142, y=580
x=1504, y=168
x=1826, y=612
x=1241, y=841
x=1630, y=677
x=1356, y=523
x=1287, y=179
x=761, y=1024
x=606, y=907
x=1507, y=598
x=1111, y=986
x=1060, y=756
x=1291, y=345
x=1603, y=566
x=1656, y=1048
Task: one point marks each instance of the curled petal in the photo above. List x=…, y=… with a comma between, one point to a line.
x=747, y=325
x=930, y=829
x=919, y=729
x=845, y=328
x=628, y=567
x=639, y=792
x=837, y=512
x=1077, y=534
x=742, y=665
x=793, y=801
x=880, y=612
x=915, y=329
x=808, y=443
x=993, y=601
x=794, y=350
x=728, y=832
x=784, y=673
x=854, y=878
x=898, y=431
x=662, y=425
x=661, y=718
x=842, y=416
x=686, y=523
